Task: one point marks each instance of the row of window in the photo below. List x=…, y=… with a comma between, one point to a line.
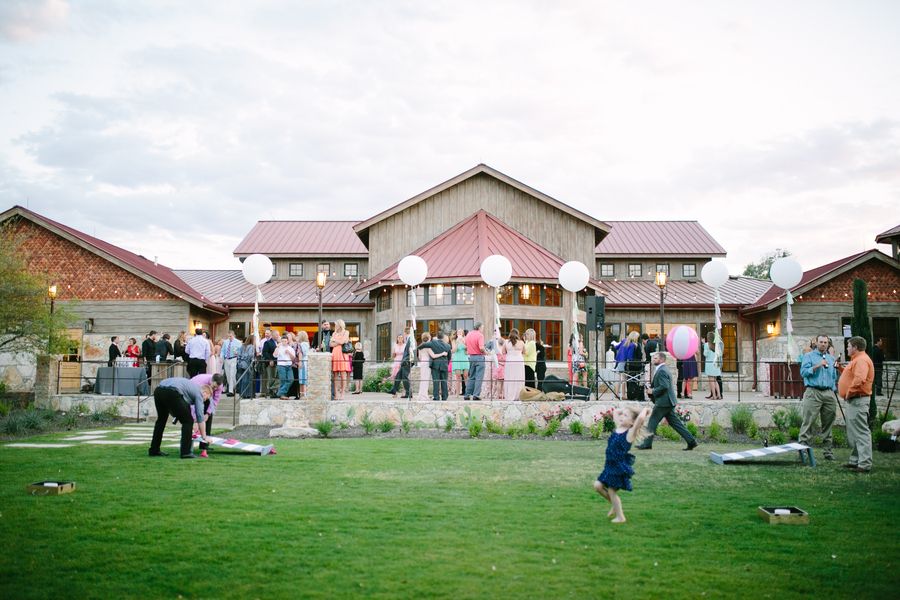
x=637, y=269
x=296, y=269
x=450, y=295
x=614, y=332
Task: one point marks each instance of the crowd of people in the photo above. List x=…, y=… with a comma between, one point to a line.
x=468, y=365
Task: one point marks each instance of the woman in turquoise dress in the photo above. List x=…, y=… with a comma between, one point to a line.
x=460, y=362
x=711, y=367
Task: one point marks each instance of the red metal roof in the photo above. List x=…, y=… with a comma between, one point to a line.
x=293, y=238
x=812, y=278
x=737, y=291
x=457, y=254
x=155, y=273
x=658, y=238
x=231, y=289
x=885, y=236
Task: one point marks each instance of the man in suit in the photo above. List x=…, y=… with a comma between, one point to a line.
x=148, y=351
x=439, y=365
x=405, y=366
x=663, y=391
x=114, y=351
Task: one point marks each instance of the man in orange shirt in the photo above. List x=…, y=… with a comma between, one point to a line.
x=855, y=387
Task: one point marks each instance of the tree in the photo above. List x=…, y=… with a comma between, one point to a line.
x=859, y=325
x=26, y=323
x=760, y=269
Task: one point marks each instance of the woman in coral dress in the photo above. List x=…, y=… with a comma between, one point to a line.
x=340, y=363
x=514, y=373
x=397, y=354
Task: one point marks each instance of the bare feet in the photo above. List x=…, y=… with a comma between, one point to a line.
x=611, y=513
x=618, y=520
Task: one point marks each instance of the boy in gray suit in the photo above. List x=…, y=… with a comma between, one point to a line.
x=663, y=391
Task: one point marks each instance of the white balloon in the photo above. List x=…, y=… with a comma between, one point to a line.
x=714, y=274
x=257, y=269
x=412, y=270
x=496, y=270
x=573, y=275
x=786, y=272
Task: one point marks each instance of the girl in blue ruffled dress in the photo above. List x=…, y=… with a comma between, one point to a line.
x=618, y=469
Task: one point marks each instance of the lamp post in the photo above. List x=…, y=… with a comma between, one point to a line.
x=321, y=278
x=51, y=293
x=661, y=284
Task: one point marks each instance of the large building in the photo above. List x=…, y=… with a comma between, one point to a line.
x=453, y=227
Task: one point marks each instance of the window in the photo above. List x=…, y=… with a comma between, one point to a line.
x=634, y=270
x=552, y=296
x=383, y=301
x=324, y=268
x=274, y=270
x=353, y=330
x=689, y=270
x=612, y=333
x=505, y=294
x=383, y=345
x=296, y=270
x=440, y=295
x=629, y=327
x=607, y=270
x=465, y=294
x=420, y=295
x=351, y=269
x=729, y=344
x=529, y=295
x=547, y=331
x=580, y=300
x=662, y=268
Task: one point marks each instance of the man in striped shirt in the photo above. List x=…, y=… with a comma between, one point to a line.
x=230, y=350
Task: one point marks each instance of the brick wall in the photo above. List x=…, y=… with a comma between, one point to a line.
x=79, y=273
x=883, y=283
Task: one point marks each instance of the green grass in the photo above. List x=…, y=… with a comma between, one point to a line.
x=449, y=518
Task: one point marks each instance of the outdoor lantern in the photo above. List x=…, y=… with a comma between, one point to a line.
x=770, y=327
x=321, y=276
x=661, y=279
x=51, y=292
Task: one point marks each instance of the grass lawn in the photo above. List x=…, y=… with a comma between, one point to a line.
x=450, y=518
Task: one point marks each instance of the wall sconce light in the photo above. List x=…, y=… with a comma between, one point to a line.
x=89, y=326
x=770, y=327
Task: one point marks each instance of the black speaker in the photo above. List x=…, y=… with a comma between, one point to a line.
x=595, y=307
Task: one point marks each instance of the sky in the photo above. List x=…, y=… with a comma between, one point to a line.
x=169, y=127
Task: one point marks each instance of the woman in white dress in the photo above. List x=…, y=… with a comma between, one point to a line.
x=514, y=372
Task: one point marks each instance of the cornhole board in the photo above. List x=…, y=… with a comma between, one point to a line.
x=233, y=444
x=806, y=454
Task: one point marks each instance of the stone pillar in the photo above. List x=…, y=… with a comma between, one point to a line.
x=319, y=376
x=45, y=380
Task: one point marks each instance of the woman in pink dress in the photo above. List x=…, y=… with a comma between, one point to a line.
x=397, y=354
x=514, y=375
x=340, y=365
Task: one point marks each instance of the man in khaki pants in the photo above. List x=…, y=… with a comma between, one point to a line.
x=819, y=377
x=855, y=387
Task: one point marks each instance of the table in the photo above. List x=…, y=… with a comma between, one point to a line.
x=121, y=381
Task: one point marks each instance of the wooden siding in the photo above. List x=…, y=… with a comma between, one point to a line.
x=560, y=233
x=119, y=317
x=648, y=267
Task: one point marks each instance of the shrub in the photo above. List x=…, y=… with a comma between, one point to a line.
x=609, y=425
x=514, y=432
x=70, y=421
x=367, y=423
x=838, y=437
x=741, y=419
x=795, y=419
x=4, y=409
x=3, y=389
x=667, y=433
x=31, y=419
x=715, y=432
x=474, y=427
x=379, y=381
x=596, y=429
x=493, y=427
x=576, y=427
x=324, y=427
x=692, y=427
x=405, y=425
x=13, y=424
x=81, y=409
x=776, y=438
x=780, y=419
x=351, y=412
x=386, y=426
x=552, y=427
x=343, y=425
x=531, y=427
x=448, y=424
x=753, y=431
x=794, y=433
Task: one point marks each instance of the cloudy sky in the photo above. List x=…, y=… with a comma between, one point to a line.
x=170, y=128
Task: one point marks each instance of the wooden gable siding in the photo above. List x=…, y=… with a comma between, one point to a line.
x=124, y=316
x=560, y=233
